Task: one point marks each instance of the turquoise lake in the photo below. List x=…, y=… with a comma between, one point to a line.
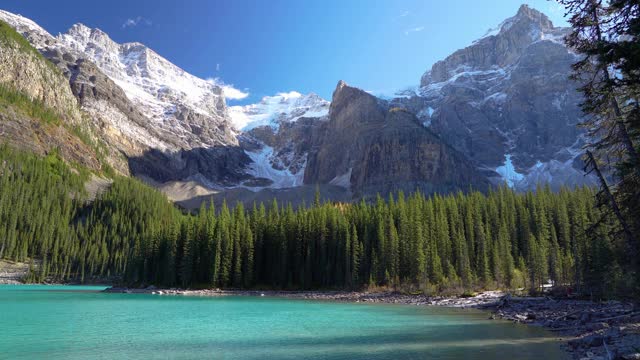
x=79, y=322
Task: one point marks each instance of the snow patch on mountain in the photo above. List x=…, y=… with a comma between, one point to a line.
x=485, y=78
x=272, y=110
x=508, y=172
x=36, y=35
x=142, y=68
x=343, y=180
x=406, y=92
x=555, y=173
x=263, y=167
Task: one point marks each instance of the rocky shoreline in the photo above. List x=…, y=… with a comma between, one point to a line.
x=604, y=330
x=389, y=297
x=591, y=330
x=12, y=273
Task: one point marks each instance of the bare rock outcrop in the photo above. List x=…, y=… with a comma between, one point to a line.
x=374, y=148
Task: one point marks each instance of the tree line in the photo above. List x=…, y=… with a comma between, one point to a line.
x=458, y=242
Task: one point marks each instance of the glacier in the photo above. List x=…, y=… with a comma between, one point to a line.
x=508, y=172
x=271, y=110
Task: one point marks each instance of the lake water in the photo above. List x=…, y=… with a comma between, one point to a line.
x=73, y=322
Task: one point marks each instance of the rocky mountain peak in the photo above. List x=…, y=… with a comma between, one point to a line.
x=80, y=35
x=500, y=48
x=168, y=123
x=534, y=15
x=525, y=24
x=528, y=21
x=505, y=102
x=345, y=96
x=368, y=147
x=79, y=29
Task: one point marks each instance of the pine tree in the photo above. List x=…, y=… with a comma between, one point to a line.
x=606, y=35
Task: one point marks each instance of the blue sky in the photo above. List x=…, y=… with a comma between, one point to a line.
x=265, y=47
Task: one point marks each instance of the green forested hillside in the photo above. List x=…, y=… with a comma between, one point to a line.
x=456, y=242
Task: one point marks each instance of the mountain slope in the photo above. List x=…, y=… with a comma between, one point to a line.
x=276, y=136
x=176, y=102
x=157, y=120
x=38, y=111
x=506, y=103
x=187, y=111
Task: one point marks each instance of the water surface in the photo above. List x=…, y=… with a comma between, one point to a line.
x=72, y=322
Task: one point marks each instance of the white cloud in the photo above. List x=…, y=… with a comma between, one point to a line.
x=133, y=22
x=230, y=92
x=289, y=95
x=414, y=29
x=403, y=14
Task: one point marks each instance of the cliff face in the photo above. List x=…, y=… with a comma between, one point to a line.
x=369, y=148
x=353, y=114
x=108, y=108
x=507, y=104
x=403, y=156
x=25, y=70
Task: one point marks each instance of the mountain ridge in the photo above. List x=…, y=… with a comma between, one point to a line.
x=500, y=108
x=505, y=101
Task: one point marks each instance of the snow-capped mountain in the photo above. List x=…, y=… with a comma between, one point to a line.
x=190, y=110
x=506, y=102
x=174, y=99
x=273, y=110
x=502, y=108
x=156, y=120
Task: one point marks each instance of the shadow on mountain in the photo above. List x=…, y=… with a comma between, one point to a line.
x=296, y=196
x=188, y=177
x=212, y=165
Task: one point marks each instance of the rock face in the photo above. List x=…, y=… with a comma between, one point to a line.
x=370, y=148
x=108, y=107
x=24, y=70
x=506, y=103
x=187, y=111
